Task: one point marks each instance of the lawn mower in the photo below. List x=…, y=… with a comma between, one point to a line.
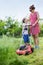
x=25, y=50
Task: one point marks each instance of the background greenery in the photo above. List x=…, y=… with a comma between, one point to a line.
x=13, y=28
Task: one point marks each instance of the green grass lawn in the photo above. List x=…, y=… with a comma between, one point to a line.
x=35, y=58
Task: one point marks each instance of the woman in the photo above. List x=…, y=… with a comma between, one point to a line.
x=34, y=29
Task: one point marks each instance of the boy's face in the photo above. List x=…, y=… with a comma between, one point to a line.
x=26, y=20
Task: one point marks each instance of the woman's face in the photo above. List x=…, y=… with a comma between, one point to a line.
x=32, y=11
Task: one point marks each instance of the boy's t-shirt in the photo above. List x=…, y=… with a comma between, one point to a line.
x=25, y=28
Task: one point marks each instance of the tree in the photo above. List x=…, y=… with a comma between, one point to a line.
x=2, y=24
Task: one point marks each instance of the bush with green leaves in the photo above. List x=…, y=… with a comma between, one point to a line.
x=41, y=31
x=13, y=27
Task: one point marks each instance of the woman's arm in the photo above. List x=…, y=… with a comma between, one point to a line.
x=36, y=20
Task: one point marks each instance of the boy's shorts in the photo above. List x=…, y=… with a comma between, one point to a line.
x=26, y=38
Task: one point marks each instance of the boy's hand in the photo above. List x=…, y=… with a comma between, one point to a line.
x=33, y=25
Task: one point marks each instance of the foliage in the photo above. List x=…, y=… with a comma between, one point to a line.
x=41, y=30
x=13, y=28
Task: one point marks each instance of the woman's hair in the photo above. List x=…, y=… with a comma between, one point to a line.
x=32, y=7
x=23, y=20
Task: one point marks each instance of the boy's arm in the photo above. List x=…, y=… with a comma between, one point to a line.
x=29, y=24
x=28, y=19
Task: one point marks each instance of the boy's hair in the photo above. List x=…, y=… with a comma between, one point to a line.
x=23, y=20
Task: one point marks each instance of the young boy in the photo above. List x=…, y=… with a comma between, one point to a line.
x=25, y=29
x=25, y=34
